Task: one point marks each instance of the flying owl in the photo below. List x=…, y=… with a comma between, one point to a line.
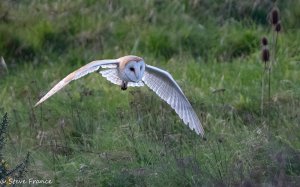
x=133, y=72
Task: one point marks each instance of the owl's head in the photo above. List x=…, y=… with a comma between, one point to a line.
x=134, y=69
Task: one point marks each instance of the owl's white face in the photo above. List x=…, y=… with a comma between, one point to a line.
x=134, y=70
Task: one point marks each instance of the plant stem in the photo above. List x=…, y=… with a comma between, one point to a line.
x=272, y=62
x=262, y=90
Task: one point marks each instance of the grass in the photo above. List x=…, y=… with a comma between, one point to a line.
x=87, y=136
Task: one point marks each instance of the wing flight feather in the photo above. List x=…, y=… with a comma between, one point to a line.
x=84, y=70
x=163, y=84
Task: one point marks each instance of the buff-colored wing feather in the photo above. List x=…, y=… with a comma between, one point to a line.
x=163, y=84
x=84, y=70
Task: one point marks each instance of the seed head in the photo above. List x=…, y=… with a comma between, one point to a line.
x=265, y=55
x=278, y=27
x=275, y=16
x=264, y=41
x=220, y=140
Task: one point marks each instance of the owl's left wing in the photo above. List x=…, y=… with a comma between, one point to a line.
x=84, y=70
x=163, y=84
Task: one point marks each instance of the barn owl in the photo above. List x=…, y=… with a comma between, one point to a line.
x=133, y=72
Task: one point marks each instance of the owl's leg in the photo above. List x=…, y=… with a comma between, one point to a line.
x=124, y=85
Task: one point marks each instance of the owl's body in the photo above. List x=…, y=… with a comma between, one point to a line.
x=131, y=71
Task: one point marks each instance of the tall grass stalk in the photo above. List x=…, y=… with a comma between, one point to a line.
x=262, y=89
x=265, y=59
x=276, y=28
x=269, y=57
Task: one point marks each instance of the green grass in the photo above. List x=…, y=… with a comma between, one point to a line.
x=93, y=134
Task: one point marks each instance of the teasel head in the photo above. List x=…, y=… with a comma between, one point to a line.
x=278, y=27
x=275, y=16
x=264, y=41
x=265, y=54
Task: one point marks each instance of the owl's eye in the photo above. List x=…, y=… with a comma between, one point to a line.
x=131, y=69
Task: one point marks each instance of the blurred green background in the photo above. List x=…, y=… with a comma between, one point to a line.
x=93, y=134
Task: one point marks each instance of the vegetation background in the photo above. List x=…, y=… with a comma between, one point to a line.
x=93, y=134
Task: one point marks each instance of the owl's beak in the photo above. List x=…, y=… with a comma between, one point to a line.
x=138, y=74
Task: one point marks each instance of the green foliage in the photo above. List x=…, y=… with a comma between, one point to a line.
x=86, y=136
x=8, y=175
x=239, y=45
x=12, y=46
x=159, y=44
x=2, y=132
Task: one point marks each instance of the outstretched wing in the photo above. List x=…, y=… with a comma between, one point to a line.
x=84, y=70
x=163, y=84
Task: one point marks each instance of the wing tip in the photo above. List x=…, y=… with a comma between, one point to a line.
x=36, y=104
x=199, y=132
x=198, y=129
x=39, y=102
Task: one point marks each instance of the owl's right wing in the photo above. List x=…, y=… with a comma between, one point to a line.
x=84, y=70
x=163, y=84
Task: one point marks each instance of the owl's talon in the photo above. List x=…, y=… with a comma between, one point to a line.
x=124, y=85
